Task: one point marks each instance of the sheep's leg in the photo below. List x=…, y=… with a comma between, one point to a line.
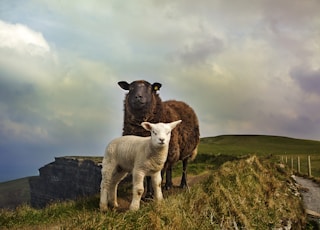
x=168, y=183
x=138, y=189
x=149, y=189
x=117, y=175
x=183, y=183
x=156, y=183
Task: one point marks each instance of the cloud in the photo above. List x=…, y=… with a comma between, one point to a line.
x=26, y=64
x=71, y=104
x=199, y=51
x=245, y=67
x=54, y=102
x=308, y=79
x=22, y=39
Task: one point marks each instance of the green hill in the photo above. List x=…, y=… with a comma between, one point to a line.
x=14, y=193
x=213, y=152
x=250, y=193
x=258, y=144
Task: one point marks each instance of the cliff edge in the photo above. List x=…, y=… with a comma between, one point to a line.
x=67, y=178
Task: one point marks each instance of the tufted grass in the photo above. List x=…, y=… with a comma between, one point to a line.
x=250, y=193
x=238, y=193
x=214, y=151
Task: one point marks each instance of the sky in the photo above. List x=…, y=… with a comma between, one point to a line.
x=246, y=67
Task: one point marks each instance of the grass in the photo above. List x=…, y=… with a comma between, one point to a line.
x=14, y=192
x=315, y=163
x=241, y=192
x=260, y=145
x=248, y=193
x=95, y=159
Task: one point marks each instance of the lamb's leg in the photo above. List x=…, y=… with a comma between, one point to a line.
x=117, y=175
x=183, y=183
x=138, y=189
x=104, y=186
x=156, y=183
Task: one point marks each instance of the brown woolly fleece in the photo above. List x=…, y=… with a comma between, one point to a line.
x=184, y=138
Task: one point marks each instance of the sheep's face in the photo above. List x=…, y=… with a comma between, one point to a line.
x=140, y=93
x=160, y=132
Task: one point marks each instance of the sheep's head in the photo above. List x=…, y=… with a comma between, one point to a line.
x=140, y=93
x=160, y=132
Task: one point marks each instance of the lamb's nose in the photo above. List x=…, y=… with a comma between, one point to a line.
x=161, y=140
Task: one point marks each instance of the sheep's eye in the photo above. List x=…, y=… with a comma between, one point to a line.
x=154, y=132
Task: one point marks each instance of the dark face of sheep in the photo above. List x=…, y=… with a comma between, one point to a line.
x=140, y=93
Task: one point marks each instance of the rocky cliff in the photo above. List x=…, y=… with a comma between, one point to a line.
x=66, y=178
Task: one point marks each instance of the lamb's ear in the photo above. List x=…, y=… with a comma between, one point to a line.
x=124, y=85
x=174, y=124
x=156, y=86
x=146, y=125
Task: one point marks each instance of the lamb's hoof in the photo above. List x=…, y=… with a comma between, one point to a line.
x=111, y=205
x=133, y=208
x=103, y=208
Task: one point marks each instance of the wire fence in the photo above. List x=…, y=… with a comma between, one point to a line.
x=300, y=164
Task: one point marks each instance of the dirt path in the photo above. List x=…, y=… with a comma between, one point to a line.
x=124, y=202
x=310, y=192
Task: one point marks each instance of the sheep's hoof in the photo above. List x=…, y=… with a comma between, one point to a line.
x=183, y=186
x=167, y=187
x=148, y=197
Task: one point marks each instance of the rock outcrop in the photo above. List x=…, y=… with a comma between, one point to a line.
x=67, y=178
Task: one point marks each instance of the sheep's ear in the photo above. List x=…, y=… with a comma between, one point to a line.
x=124, y=85
x=156, y=86
x=174, y=124
x=146, y=125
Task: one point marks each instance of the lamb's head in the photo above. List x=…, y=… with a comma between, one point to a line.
x=140, y=93
x=160, y=132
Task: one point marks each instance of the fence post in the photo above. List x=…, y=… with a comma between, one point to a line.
x=309, y=167
x=292, y=164
x=298, y=164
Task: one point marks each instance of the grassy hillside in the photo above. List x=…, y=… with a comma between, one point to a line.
x=14, y=193
x=213, y=152
x=250, y=193
x=258, y=144
x=239, y=145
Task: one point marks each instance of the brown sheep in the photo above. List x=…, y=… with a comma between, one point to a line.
x=142, y=103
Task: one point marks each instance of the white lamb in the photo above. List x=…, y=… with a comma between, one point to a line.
x=143, y=156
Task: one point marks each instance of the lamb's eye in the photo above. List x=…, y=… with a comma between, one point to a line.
x=154, y=132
